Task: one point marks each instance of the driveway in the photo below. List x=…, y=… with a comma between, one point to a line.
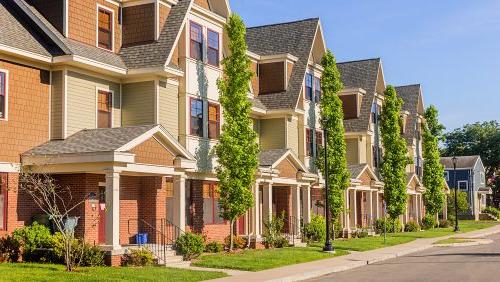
x=473, y=263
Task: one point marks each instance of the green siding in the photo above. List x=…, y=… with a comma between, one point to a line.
x=169, y=107
x=138, y=103
x=352, y=151
x=272, y=133
x=56, y=105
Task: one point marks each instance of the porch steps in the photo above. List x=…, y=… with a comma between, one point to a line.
x=168, y=258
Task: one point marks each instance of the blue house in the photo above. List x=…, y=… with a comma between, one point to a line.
x=470, y=178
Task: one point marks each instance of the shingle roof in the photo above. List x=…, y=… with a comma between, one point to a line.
x=91, y=141
x=360, y=74
x=411, y=97
x=462, y=161
x=155, y=54
x=15, y=34
x=269, y=157
x=356, y=169
x=295, y=38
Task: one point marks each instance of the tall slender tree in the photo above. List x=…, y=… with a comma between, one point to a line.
x=433, y=178
x=395, y=158
x=332, y=119
x=237, y=149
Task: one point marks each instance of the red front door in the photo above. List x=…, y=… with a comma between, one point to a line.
x=241, y=225
x=102, y=215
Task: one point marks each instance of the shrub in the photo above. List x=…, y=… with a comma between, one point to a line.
x=85, y=254
x=444, y=223
x=239, y=242
x=393, y=226
x=214, y=247
x=274, y=231
x=281, y=242
x=190, y=245
x=139, y=257
x=35, y=241
x=412, y=226
x=493, y=211
x=428, y=222
x=9, y=249
x=315, y=231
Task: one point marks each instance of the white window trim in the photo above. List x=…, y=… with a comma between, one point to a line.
x=6, y=118
x=97, y=105
x=447, y=175
x=112, y=27
x=466, y=185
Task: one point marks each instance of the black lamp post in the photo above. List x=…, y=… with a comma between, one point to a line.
x=454, y=159
x=328, y=244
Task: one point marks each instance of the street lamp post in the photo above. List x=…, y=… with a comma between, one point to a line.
x=454, y=159
x=328, y=244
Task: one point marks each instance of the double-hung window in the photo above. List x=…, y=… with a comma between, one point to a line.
x=317, y=89
x=213, y=121
x=196, y=39
x=309, y=142
x=211, y=211
x=319, y=140
x=309, y=87
x=3, y=201
x=104, y=109
x=213, y=48
x=196, y=117
x=3, y=94
x=105, y=29
x=463, y=185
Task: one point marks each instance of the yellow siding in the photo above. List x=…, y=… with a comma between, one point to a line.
x=56, y=106
x=81, y=101
x=352, y=151
x=272, y=133
x=138, y=103
x=293, y=135
x=169, y=107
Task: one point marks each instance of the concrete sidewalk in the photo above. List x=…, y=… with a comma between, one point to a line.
x=319, y=268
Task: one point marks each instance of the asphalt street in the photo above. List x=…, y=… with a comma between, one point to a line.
x=472, y=263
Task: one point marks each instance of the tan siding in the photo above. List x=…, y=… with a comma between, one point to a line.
x=352, y=151
x=293, y=135
x=203, y=3
x=169, y=107
x=272, y=133
x=164, y=12
x=138, y=103
x=56, y=106
x=289, y=70
x=81, y=101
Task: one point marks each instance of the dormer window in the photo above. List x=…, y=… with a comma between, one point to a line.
x=213, y=48
x=309, y=87
x=105, y=28
x=196, y=38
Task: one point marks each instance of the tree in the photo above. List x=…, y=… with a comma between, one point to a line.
x=332, y=119
x=395, y=158
x=463, y=205
x=237, y=149
x=433, y=178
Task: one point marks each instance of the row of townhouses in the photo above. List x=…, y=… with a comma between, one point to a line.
x=117, y=99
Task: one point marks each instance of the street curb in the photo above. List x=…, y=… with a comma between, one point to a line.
x=319, y=273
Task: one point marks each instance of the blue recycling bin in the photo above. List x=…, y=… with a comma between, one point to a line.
x=141, y=238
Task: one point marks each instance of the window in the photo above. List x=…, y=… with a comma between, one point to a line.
x=104, y=109
x=376, y=156
x=3, y=94
x=197, y=117
x=319, y=140
x=105, y=29
x=196, y=36
x=213, y=121
x=309, y=142
x=447, y=175
x=317, y=89
x=213, y=48
x=3, y=201
x=211, y=211
x=463, y=185
x=309, y=87
x=374, y=112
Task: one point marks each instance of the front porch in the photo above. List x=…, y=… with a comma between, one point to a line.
x=415, y=209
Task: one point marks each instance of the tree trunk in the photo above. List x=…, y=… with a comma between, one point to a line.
x=231, y=235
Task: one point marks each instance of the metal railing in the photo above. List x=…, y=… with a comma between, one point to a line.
x=292, y=228
x=162, y=235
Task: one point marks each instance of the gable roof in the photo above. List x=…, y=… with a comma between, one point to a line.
x=410, y=176
x=119, y=139
x=361, y=74
x=462, y=161
x=16, y=35
x=412, y=97
x=295, y=38
x=273, y=157
x=358, y=169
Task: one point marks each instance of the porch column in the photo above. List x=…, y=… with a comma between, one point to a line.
x=113, y=210
x=347, y=214
x=180, y=201
x=377, y=209
x=256, y=220
x=445, y=208
x=296, y=207
x=355, y=208
x=306, y=203
x=267, y=207
x=417, y=208
x=370, y=207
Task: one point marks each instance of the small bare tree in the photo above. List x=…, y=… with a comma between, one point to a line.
x=58, y=203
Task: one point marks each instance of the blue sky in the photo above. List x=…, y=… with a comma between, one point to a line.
x=451, y=47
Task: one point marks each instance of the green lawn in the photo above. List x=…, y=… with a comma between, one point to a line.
x=48, y=272
x=464, y=225
x=368, y=243
x=256, y=260
x=452, y=241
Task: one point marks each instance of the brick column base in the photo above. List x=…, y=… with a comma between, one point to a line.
x=113, y=260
